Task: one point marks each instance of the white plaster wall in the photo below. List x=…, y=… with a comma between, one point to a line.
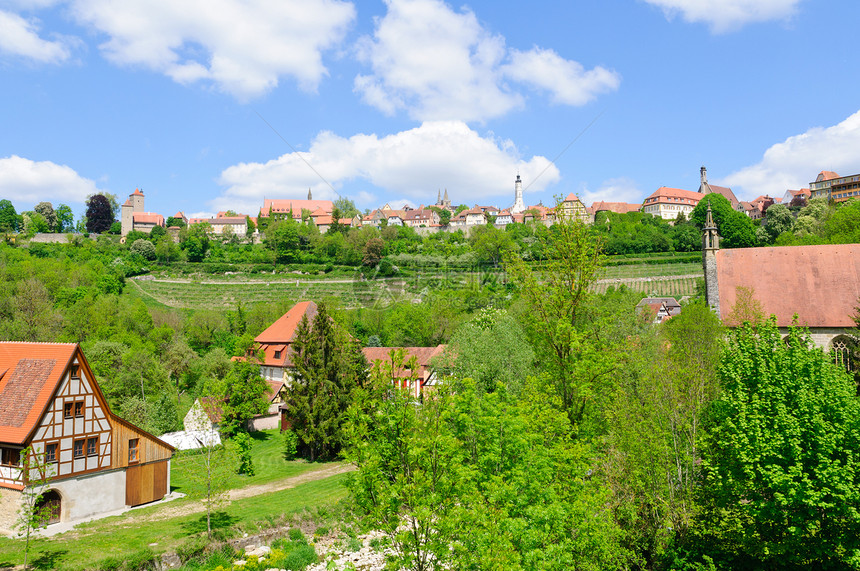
x=10, y=502
x=92, y=494
x=264, y=422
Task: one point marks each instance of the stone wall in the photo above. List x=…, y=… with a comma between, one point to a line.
x=10, y=502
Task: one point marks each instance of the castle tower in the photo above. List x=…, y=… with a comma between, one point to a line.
x=710, y=246
x=519, y=205
x=132, y=205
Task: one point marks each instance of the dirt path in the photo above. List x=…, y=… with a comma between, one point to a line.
x=178, y=509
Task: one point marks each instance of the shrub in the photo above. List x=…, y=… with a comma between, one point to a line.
x=144, y=248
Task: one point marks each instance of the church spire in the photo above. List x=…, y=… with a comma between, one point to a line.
x=710, y=246
x=309, y=194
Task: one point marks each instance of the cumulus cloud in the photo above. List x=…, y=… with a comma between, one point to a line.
x=26, y=183
x=613, y=190
x=438, y=64
x=567, y=81
x=243, y=47
x=728, y=15
x=20, y=37
x=413, y=164
x=796, y=162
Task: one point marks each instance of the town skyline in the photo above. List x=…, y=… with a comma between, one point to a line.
x=393, y=102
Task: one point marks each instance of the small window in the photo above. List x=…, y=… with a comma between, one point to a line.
x=10, y=457
x=79, y=449
x=79, y=409
x=133, y=455
x=76, y=372
x=93, y=446
x=67, y=409
x=50, y=453
x=277, y=354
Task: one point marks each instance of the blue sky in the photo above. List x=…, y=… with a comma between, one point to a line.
x=209, y=105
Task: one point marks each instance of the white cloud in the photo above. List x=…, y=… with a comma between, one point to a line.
x=613, y=190
x=796, y=162
x=438, y=64
x=413, y=164
x=26, y=183
x=244, y=47
x=20, y=37
x=728, y=15
x=567, y=81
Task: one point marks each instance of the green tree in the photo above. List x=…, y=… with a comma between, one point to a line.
x=491, y=332
x=346, y=207
x=33, y=514
x=212, y=472
x=100, y=214
x=781, y=457
x=556, y=296
x=9, y=219
x=329, y=364
x=46, y=209
x=779, y=219
x=143, y=248
x=735, y=228
x=490, y=244
x=65, y=218
x=244, y=397
x=283, y=238
x=655, y=424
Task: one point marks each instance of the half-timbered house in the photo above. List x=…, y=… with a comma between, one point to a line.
x=95, y=462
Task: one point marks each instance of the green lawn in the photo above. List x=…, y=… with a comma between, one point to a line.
x=268, y=460
x=126, y=536
x=132, y=534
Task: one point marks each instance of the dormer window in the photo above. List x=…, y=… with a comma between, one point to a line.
x=277, y=354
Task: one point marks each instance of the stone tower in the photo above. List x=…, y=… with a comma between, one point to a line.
x=128, y=209
x=710, y=246
x=310, y=196
x=519, y=205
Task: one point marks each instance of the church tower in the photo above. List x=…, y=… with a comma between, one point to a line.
x=710, y=246
x=519, y=205
x=310, y=197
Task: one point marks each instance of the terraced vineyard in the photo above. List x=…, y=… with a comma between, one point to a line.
x=226, y=291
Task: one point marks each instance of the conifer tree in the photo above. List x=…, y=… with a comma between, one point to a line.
x=329, y=364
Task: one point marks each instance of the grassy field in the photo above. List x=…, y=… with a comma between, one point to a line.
x=268, y=459
x=172, y=526
x=226, y=291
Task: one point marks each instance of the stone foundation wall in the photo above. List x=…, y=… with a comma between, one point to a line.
x=10, y=502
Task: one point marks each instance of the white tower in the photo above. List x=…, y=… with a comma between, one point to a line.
x=519, y=205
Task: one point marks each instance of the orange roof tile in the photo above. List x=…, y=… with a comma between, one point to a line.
x=148, y=218
x=137, y=192
x=819, y=283
x=423, y=356
x=284, y=329
x=31, y=373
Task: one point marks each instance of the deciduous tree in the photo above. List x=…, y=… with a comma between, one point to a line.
x=781, y=456
x=99, y=215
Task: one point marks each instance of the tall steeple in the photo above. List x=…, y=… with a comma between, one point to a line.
x=519, y=205
x=704, y=187
x=446, y=202
x=710, y=247
x=309, y=194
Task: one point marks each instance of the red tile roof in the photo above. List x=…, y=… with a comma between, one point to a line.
x=29, y=376
x=826, y=175
x=137, y=192
x=423, y=356
x=280, y=334
x=295, y=207
x=148, y=218
x=664, y=192
x=617, y=207
x=819, y=283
